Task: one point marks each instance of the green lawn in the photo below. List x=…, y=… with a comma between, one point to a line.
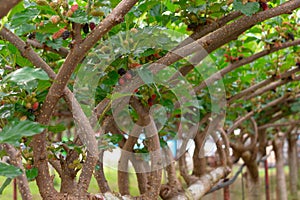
x=111, y=175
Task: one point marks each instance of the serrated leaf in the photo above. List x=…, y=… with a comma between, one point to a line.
x=23, y=17
x=9, y=171
x=26, y=74
x=15, y=130
x=248, y=9
x=55, y=44
x=79, y=16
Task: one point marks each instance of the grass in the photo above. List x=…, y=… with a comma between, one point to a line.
x=111, y=175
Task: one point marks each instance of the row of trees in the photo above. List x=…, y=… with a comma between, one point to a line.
x=80, y=79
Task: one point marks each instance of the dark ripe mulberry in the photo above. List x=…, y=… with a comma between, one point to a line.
x=92, y=25
x=192, y=27
x=85, y=28
x=290, y=36
x=65, y=35
x=31, y=36
x=121, y=71
x=264, y=6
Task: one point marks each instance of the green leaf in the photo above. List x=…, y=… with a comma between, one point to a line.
x=114, y=138
x=55, y=44
x=248, y=9
x=118, y=95
x=112, y=78
x=79, y=16
x=296, y=106
x=31, y=174
x=23, y=17
x=24, y=28
x=9, y=171
x=25, y=75
x=57, y=129
x=41, y=37
x=15, y=130
x=5, y=184
x=146, y=75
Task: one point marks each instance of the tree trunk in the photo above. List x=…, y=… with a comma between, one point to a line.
x=253, y=186
x=281, y=190
x=199, y=162
x=293, y=168
x=252, y=176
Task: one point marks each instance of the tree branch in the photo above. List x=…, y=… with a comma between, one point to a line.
x=232, y=66
x=77, y=54
x=39, y=142
x=204, y=184
x=274, y=125
x=251, y=113
x=271, y=86
x=261, y=84
x=63, y=52
x=212, y=41
x=227, y=182
x=6, y=6
x=16, y=160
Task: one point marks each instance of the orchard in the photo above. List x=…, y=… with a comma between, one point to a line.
x=175, y=99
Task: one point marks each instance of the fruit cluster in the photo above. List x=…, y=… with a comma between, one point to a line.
x=64, y=11
x=125, y=76
x=31, y=102
x=232, y=59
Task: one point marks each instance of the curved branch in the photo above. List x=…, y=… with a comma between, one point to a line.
x=251, y=113
x=77, y=54
x=16, y=160
x=204, y=30
x=227, y=146
x=274, y=125
x=63, y=52
x=220, y=149
x=232, y=66
x=227, y=182
x=255, y=137
x=127, y=150
x=204, y=184
x=6, y=6
x=100, y=176
x=271, y=86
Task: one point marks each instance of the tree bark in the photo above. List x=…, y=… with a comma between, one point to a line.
x=6, y=5
x=253, y=186
x=16, y=160
x=204, y=184
x=281, y=190
x=252, y=176
x=293, y=166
